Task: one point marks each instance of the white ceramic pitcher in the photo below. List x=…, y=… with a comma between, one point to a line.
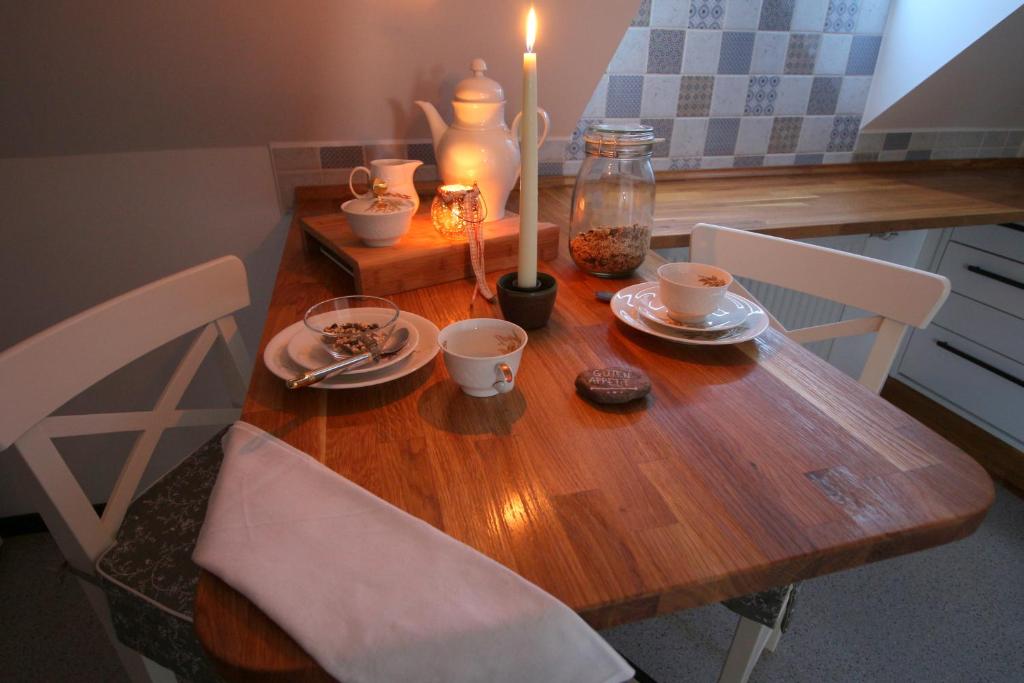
x=398, y=174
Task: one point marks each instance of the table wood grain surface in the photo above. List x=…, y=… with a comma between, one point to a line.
x=748, y=466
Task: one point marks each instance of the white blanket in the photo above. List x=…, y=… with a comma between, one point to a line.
x=374, y=594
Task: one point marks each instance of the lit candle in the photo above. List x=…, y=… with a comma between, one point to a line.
x=527, y=276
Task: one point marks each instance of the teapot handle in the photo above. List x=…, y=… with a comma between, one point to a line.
x=543, y=134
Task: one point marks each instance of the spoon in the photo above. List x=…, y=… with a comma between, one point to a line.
x=395, y=343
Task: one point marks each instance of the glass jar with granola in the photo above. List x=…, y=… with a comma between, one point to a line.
x=613, y=200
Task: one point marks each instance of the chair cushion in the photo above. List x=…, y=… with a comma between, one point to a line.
x=766, y=606
x=148, y=574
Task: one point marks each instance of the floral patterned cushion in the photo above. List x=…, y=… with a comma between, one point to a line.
x=148, y=574
x=765, y=607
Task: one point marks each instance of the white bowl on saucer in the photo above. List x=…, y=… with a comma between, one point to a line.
x=378, y=229
x=692, y=291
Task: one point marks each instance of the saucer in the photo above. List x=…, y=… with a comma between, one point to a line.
x=627, y=303
x=277, y=360
x=732, y=313
x=305, y=349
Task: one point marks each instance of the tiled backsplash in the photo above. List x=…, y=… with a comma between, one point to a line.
x=724, y=83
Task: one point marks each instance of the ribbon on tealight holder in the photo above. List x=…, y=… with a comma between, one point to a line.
x=458, y=212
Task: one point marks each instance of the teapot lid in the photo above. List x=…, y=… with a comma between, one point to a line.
x=479, y=88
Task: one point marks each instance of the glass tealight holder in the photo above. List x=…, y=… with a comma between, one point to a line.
x=454, y=208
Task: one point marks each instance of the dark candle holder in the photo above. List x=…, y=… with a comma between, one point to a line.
x=528, y=308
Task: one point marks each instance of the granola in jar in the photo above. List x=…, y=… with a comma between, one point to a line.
x=611, y=252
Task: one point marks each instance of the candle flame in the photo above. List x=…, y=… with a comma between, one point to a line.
x=531, y=29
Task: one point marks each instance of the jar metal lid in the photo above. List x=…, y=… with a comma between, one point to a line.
x=619, y=140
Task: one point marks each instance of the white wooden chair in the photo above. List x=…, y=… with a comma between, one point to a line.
x=43, y=372
x=896, y=296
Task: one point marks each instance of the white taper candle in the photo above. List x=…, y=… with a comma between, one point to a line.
x=527, y=277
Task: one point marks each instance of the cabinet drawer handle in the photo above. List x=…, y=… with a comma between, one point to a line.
x=946, y=346
x=996, y=276
x=1013, y=226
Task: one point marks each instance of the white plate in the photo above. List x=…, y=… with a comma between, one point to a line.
x=276, y=358
x=626, y=306
x=732, y=313
x=306, y=349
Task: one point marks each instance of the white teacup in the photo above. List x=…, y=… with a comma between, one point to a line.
x=691, y=291
x=482, y=354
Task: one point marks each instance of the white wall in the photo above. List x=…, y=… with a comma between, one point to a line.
x=100, y=76
x=79, y=230
x=949, y=64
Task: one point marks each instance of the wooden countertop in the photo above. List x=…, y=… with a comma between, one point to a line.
x=818, y=201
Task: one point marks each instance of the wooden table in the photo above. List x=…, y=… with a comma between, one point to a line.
x=748, y=467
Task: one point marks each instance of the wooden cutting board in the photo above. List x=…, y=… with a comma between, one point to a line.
x=422, y=258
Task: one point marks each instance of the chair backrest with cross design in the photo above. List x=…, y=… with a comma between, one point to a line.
x=897, y=295
x=43, y=372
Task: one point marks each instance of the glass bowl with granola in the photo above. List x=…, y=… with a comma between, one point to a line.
x=351, y=325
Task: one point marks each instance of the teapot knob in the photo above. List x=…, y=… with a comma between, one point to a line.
x=478, y=66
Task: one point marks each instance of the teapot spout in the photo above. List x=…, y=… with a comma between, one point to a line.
x=437, y=124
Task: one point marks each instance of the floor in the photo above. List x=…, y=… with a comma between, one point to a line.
x=948, y=614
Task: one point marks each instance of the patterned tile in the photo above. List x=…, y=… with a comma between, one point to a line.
x=785, y=134
x=721, y=139
x=824, y=95
x=424, y=151
x=770, y=53
x=670, y=13
x=922, y=140
x=549, y=168
x=624, y=96
x=296, y=158
x=742, y=14
x=762, y=92
x=599, y=100
x=896, y=141
x=575, y=151
x=814, y=134
x=863, y=55
x=737, y=51
x=665, y=53
x=844, y=133
x=892, y=155
x=393, y=150
x=701, y=53
x=707, y=13
x=688, y=137
x=919, y=155
x=838, y=157
x=860, y=157
x=753, y=136
x=686, y=164
x=802, y=53
x=804, y=159
x=841, y=16
x=631, y=55
x=730, y=96
x=833, y=53
x=643, y=14
x=776, y=15
x=695, y=93
x=853, y=95
x=794, y=92
x=995, y=138
x=748, y=161
x=870, y=142
x=809, y=15
x=662, y=129
x=341, y=157
x=780, y=160
x=872, y=15
x=661, y=96
x=962, y=138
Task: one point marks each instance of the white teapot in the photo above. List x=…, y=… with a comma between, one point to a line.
x=478, y=147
